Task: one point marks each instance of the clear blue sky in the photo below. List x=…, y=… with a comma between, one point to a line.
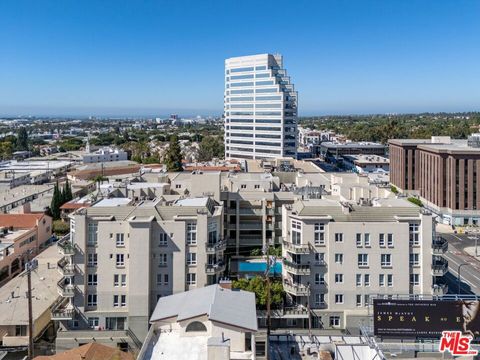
x=155, y=57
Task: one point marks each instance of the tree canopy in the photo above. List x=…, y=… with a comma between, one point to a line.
x=173, y=155
x=257, y=285
x=211, y=147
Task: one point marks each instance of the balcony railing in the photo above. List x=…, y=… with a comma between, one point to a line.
x=300, y=249
x=65, y=268
x=214, y=268
x=63, y=310
x=439, y=289
x=296, y=269
x=65, y=289
x=296, y=289
x=439, y=267
x=439, y=245
x=220, y=245
x=65, y=247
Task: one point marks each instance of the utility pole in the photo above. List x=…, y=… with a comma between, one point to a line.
x=30, y=312
x=269, y=261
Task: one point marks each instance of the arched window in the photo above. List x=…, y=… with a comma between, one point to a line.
x=196, y=326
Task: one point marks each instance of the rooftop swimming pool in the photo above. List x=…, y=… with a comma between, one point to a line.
x=258, y=266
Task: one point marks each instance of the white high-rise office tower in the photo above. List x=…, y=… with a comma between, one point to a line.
x=260, y=108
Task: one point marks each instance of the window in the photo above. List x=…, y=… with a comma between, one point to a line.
x=92, y=260
x=386, y=260
x=358, y=280
x=359, y=300
x=116, y=280
x=319, y=234
x=390, y=240
x=338, y=278
x=390, y=280
x=338, y=298
x=366, y=238
x=414, y=234
x=414, y=259
x=319, y=258
x=191, y=233
x=334, y=321
x=414, y=279
x=93, y=322
x=120, y=240
x=191, y=279
x=338, y=237
x=366, y=279
x=116, y=302
x=319, y=299
x=296, y=232
x=319, y=279
x=165, y=279
x=339, y=258
x=381, y=280
x=191, y=258
x=124, y=280
x=257, y=186
x=243, y=186
x=366, y=300
x=195, y=326
x=92, y=279
x=178, y=186
x=163, y=239
x=362, y=260
x=359, y=240
x=120, y=260
x=92, y=300
x=123, y=300
x=159, y=279
x=381, y=240
x=92, y=234
x=162, y=260
x=115, y=323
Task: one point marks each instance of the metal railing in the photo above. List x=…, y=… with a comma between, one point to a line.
x=297, y=269
x=296, y=248
x=215, y=268
x=65, y=246
x=65, y=290
x=296, y=289
x=220, y=245
x=439, y=245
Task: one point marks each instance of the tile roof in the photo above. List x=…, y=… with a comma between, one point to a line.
x=92, y=351
x=20, y=221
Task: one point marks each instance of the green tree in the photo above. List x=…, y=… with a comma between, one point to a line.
x=22, y=139
x=6, y=150
x=257, y=285
x=66, y=192
x=173, y=155
x=211, y=147
x=56, y=202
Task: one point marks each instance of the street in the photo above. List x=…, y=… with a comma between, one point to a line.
x=456, y=255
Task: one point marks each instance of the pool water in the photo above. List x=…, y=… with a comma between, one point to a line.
x=245, y=266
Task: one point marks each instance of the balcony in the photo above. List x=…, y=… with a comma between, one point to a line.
x=65, y=290
x=63, y=310
x=296, y=289
x=296, y=269
x=439, y=266
x=65, y=268
x=212, y=269
x=439, y=245
x=300, y=249
x=439, y=289
x=65, y=247
x=220, y=245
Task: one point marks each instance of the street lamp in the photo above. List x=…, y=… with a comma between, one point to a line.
x=459, y=275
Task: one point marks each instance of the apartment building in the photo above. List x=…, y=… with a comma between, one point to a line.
x=260, y=108
x=122, y=256
x=337, y=255
x=442, y=172
x=21, y=236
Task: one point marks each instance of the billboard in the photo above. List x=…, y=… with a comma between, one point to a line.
x=425, y=318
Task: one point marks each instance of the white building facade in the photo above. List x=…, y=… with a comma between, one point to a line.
x=260, y=108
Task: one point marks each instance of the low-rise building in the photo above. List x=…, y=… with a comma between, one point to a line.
x=105, y=154
x=335, y=150
x=10, y=179
x=21, y=234
x=14, y=303
x=364, y=164
x=91, y=351
x=208, y=323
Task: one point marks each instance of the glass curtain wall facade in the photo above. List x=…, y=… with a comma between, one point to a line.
x=260, y=108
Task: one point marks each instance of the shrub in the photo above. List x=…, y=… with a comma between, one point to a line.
x=415, y=201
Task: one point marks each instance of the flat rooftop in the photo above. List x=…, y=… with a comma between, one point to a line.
x=14, y=310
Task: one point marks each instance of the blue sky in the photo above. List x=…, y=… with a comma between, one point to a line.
x=155, y=57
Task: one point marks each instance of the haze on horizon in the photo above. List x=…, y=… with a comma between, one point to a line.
x=123, y=58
